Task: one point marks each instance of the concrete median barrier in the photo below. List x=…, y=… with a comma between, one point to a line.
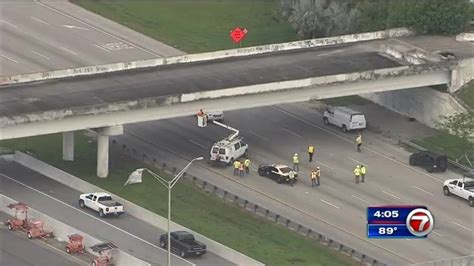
x=131, y=208
x=188, y=58
x=62, y=230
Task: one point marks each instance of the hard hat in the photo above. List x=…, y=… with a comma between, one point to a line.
x=358, y=166
x=317, y=167
x=296, y=154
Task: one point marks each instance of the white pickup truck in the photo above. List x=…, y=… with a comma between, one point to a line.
x=100, y=202
x=461, y=187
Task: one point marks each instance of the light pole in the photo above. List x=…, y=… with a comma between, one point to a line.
x=136, y=177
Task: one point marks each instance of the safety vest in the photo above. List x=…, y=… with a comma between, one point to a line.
x=296, y=159
x=313, y=175
x=236, y=164
x=363, y=170
x=318, y=173
x=247, y=163
x=359, y=139
x=357, y=171
x=311, y=149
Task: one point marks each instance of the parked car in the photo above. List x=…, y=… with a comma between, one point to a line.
x=183, y=243
x=100, y=202
x=278, y=172
x=461, y=187
x=431, y=161
x=344, y=117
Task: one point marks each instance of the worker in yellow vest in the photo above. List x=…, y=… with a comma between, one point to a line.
x=313, y=177
x=247, y=165
x=363, y=171
x=236, y=167
x=310, y=152
x=359, y=141
x=241, y=169
x=357, y=174
x=296, y=162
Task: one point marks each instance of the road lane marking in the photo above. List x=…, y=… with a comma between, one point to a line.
x=197, y=143
x=462, y=226
x=100, y=47
x=427, y=192
x=275, y=199
x=8, y=58
x=38, y=54
x=332, y=52
x=96, y=28
x=351, y=141
x=40, y=21
x=328, y=203
x=436, y=233
x=359, y=162
x=89, y=215
x=74, y=27
x=292, y=133
x=323, y=164
x=390, y=194
x=363, y=200
x=260, y=136
x=67, y=50
x=9, y=24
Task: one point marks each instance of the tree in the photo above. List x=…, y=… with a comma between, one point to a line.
x=462, y=126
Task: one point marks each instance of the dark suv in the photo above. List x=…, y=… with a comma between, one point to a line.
x=183, y=243
x=431, y=161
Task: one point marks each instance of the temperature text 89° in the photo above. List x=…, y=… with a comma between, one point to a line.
x=387, y=230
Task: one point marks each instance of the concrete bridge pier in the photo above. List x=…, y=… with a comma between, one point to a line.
x=103, y=135
x=68, y=146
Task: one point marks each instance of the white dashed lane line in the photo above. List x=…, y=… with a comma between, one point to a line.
x=40, y=21
x=462, y=226
x=422, y=190
x=102, y=48
x=68, y=50
x=359, y=162
x=8, y=58
x=41, y=55
x=197, y=143
x=330, y=204
x=292, y=133
x=260, y=136
x=390, y=194
x=361, y=199
x=8, y=23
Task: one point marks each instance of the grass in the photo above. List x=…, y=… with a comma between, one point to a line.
x=467, y=94
x=346, y=100
x=192, y=207
x=448, y=144
x=201, y=25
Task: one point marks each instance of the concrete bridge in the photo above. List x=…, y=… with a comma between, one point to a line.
x=70, y=100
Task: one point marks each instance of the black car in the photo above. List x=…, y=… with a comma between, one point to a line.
x=431, y=161
x=183, y=243
x=278, y=172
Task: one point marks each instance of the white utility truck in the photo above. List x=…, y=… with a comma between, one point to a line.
x=229, y=149
x=100, y=202
x=461, y=187
x=344, y=117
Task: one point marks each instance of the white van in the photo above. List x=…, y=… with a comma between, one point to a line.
x=226, y=151
x=345, y=118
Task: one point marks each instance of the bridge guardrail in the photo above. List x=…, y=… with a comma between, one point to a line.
x=253, y=207
x=187, y=58
x=458, y=261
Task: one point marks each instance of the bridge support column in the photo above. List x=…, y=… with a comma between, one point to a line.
x=68, y=146
x=103, y=148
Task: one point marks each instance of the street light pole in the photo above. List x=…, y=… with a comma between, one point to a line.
x=136, y=177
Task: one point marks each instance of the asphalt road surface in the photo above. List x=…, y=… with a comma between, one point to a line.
x=338, y=207
x=130, y=234
x=17, y=250
x=43, y=36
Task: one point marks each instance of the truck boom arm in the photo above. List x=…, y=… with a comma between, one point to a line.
x=232, y=136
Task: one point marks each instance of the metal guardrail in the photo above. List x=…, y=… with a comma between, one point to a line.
x=253, y=207
x=418, y=147
x=458, y=261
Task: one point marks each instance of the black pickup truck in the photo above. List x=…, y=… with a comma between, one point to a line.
x=183, y=243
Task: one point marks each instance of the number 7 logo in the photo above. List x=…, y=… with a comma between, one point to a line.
x=420, y=222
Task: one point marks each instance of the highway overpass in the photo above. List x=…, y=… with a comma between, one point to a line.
x=108, y=101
